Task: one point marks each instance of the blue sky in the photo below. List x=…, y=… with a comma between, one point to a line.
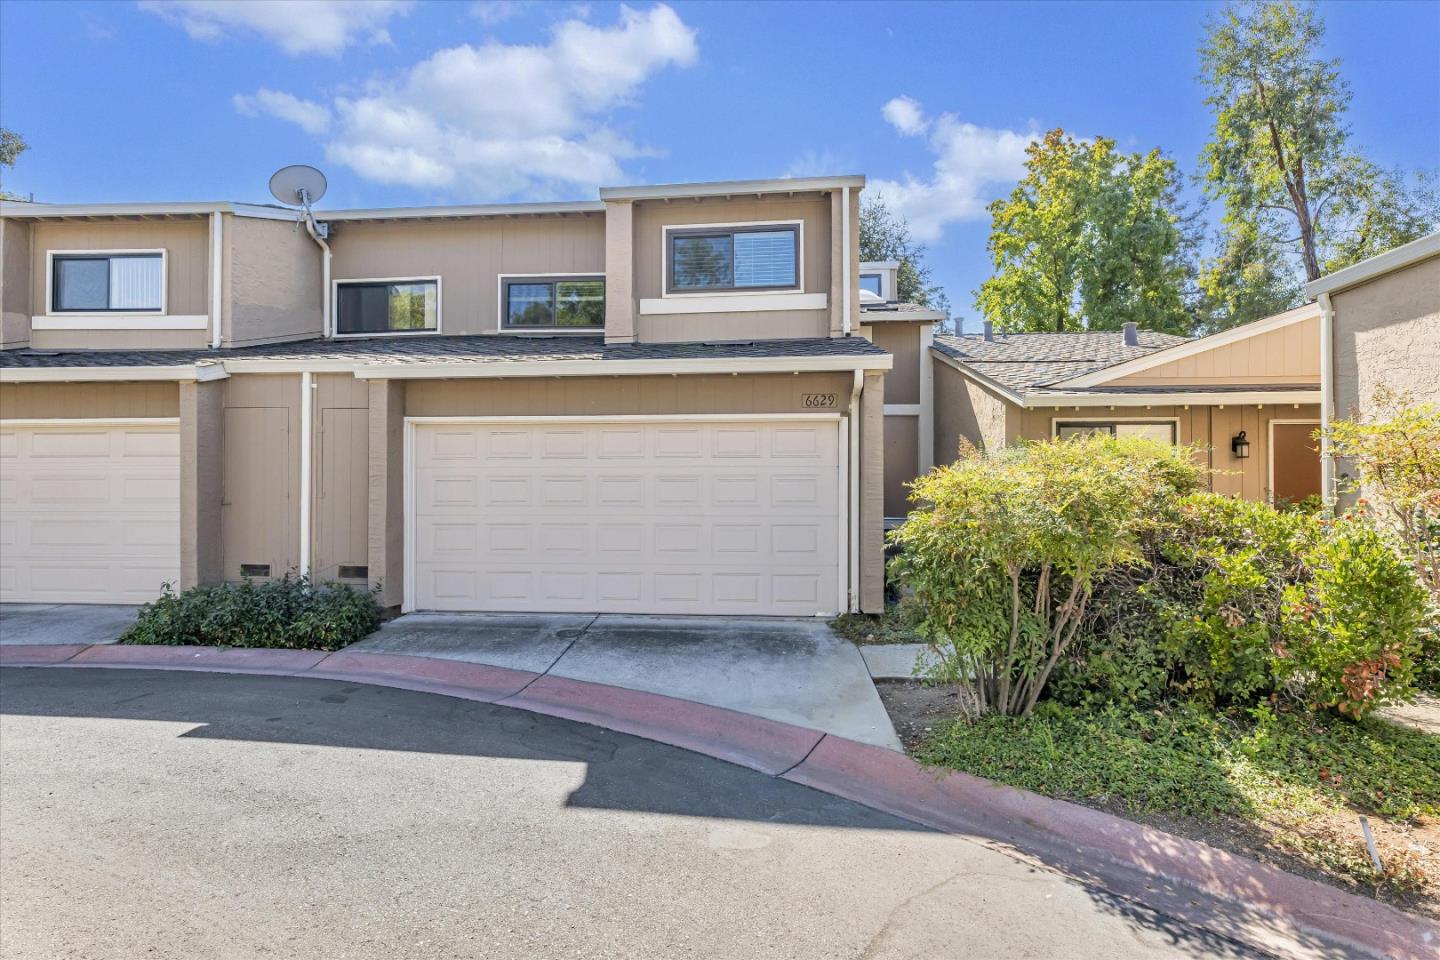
x=410, y=103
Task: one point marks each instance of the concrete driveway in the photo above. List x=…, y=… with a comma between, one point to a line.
x=167, y=815
x=64, y=622
x=795, y=671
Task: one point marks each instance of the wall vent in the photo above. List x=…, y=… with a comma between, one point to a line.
x=352, y=571
x=254, y=569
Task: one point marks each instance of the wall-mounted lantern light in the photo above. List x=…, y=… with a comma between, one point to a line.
x=1239, y=446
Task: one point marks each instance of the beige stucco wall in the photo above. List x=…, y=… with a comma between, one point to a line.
x=272, y=278
x=1388, y=331
x=469, y=256
x=36, y=401
x=260, y=511
x=187, y=247
x=902, y=461
x=1287, y=355
x=902, y=340
x=15, y=301
x=964, y=409
x=650, y=217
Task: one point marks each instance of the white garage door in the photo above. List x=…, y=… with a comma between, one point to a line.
x=627, y=517
x=89, y=511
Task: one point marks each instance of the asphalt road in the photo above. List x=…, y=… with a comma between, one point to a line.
x=146, y=814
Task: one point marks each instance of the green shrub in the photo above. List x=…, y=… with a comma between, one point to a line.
x=290, y=612
x=1005, y=548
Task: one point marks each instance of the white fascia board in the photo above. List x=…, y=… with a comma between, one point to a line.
x=495, y=369
x=472, y=210
x=52, y=211
x=200, y=372
x=994, y=386
x=879, y=264
x=1387, y=262
x=1043, y=401
x=293, y=365
x=725, y=188
x=1189, y=348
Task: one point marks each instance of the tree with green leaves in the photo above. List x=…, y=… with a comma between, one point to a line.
x=884, y=235
x=1091, y=238
x=11, y=146
x=1295, y=191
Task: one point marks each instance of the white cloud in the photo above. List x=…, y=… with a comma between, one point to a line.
x=295, y=26
x=498, y=120
x=312, y=117
x=904, y=115
x=491, y=12
x=973, y=165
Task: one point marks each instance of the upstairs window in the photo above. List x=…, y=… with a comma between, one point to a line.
x=871, y=282
x=121, y=282
x=762, y=257
x=554, y=303
x=1161, y=430
x=387, y=306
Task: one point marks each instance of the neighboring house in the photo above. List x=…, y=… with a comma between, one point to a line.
x=1248, y=396
x=1381, y=322
x=659, y=401
x=906, y=331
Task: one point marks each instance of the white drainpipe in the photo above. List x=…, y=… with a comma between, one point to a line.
x=845, y=258
x=853, y=601
x=217, y=252
x=1327, y=399
x=314, y=232
x=307, y=410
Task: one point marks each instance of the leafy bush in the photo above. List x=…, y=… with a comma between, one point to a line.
x=290, y=612
x=1236, y=601
x=1005, y=549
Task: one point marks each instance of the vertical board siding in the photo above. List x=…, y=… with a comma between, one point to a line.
x=36, y=401
x=342, y=474
x=1287, y=355
x=260, y=513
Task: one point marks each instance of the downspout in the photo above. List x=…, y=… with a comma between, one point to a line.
x=217, y=253
x=852, y=602
x=1327, y=399
x=926, y=426
x=845, y=259
x=307, y=409
x=314, y=230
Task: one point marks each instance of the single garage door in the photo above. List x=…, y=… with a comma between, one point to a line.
x=89, y=511
x=680, y=517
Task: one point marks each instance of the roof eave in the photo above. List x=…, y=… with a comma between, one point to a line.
x=1403, y=256
x=1197, y=397
x=725, y=188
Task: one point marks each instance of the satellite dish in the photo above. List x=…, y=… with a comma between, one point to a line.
x=297, y=185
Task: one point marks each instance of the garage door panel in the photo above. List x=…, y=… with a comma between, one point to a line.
x=737, y=518
x=91, y=513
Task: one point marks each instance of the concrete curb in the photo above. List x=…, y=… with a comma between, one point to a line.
x=1239, y=898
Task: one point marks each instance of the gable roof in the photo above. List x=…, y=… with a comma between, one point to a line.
x=1402, y=256
x=1188, y=348
x=1024, y=362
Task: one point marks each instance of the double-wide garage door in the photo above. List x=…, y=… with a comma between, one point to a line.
x=89, y=512
x=628, y=516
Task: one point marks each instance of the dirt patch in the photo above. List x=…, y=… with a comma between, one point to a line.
x=919, y=709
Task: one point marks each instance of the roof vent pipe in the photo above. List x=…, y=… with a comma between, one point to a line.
x=989, y=332
x=1132, y=335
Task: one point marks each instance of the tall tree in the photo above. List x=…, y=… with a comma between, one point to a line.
x=11, y=146
x=884, y=235
x=1089, y=239
x=1280, y=159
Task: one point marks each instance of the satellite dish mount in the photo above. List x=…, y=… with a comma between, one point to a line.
x=300, y=185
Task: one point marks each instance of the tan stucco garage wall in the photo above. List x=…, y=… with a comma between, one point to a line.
x=1388, y=331
x=964, y=409
x=78, y=401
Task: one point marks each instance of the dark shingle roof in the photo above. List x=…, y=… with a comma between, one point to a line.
x=450, y=349
x=1029, y=361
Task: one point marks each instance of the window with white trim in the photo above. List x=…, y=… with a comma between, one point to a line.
x=387, y=306
x=553, y=303
x=107, y=283
x=711, y=259
x=872, y=282
x=1161, y=430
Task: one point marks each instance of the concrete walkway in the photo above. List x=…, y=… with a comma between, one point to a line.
x=64, y=623
x=793, y=671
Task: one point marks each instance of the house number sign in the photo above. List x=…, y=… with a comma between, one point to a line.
x=819, y=401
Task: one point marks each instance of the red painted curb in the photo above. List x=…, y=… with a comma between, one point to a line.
x=217, y=659
x=1288, y=905
x=765, y=745
x=451, y=678
x=38, y=654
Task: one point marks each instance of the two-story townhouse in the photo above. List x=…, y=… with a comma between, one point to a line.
x=659, y=401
